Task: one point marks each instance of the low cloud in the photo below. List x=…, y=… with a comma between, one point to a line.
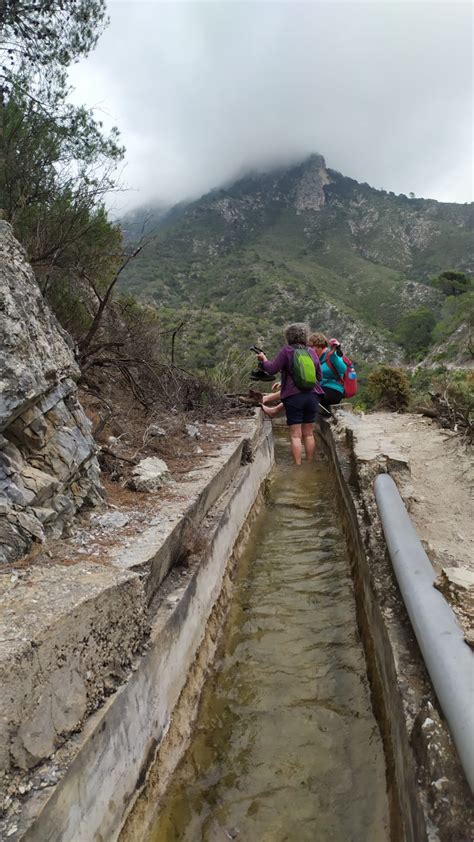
x=205, y=91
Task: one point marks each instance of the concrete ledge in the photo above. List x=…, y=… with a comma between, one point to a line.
x=154, y=551
x=69, y=631
x=119, y=741
x=64, y=639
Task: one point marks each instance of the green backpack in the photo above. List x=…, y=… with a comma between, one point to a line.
x=304, y=369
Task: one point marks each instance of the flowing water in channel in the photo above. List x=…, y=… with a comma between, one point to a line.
x=286, y=747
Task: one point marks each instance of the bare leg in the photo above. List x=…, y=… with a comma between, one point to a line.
x=296, y=447
x=308, y=441
x=272, y=411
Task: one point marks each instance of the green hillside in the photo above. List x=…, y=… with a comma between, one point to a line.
x=303, y=243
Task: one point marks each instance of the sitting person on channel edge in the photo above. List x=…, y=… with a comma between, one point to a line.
x=300, y=389
x=333, y=368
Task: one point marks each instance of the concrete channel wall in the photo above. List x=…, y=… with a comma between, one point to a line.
x=111, y=755
x=420, y=759
x=428, y=794
x=448, y=658
x=150, y=716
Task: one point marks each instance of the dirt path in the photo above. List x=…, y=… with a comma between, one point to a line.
x=438, y=490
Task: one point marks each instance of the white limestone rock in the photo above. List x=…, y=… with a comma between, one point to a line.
x=156, y=431
x=309, y=192
x=193, y=431
x=34, y=355
x=150, y=474
x=48, y=465
x=112, y=520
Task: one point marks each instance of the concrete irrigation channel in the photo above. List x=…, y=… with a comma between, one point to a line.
x=281, y=695
x=285, y=746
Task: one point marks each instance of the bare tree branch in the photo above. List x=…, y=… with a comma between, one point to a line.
x=85, y=342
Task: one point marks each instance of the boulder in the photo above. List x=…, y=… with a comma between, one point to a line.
x=193, y=431
x=157, y=431
x=150, y=474
x=111, y=520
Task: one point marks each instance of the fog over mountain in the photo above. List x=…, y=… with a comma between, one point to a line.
x=203, y=92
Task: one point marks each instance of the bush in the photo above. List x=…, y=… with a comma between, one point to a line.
x=388, y=388
x=457, y=310
x=460, y=392
x=415, y=330
x=232, y=373
x=452, y=282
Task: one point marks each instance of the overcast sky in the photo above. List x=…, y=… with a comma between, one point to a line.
x=203, y=91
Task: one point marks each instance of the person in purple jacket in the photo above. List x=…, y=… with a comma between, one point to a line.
x=301, y=407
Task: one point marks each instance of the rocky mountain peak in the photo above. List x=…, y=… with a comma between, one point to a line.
x=309, y=190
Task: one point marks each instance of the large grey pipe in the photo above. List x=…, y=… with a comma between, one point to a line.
x=448, y=658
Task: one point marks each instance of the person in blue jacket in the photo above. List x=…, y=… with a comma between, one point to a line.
x=333, y=369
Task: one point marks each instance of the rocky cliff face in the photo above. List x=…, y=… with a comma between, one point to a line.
x=310, y=188
x=48, y=466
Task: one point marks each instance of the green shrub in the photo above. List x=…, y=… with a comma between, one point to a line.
x=457, y=310
x=460, y=392
x=415, y=330
x=68, y=306
x=452, y=282
x=388, y=388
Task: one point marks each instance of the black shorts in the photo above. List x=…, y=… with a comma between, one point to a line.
x=331, y=397
x=301, y=408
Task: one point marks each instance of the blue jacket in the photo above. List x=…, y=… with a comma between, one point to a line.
x=330, y=380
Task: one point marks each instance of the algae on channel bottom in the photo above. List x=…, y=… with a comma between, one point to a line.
x=285, y=747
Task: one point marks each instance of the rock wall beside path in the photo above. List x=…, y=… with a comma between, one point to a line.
x=48, y=464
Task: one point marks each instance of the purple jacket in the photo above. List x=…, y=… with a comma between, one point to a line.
x=284, y=362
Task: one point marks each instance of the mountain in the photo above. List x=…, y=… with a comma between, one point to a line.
x=300, y=243
x=142, y=220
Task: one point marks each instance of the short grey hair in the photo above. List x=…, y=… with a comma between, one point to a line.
x=297, y=334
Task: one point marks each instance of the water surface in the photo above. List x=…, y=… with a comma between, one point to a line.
x=285, y=748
